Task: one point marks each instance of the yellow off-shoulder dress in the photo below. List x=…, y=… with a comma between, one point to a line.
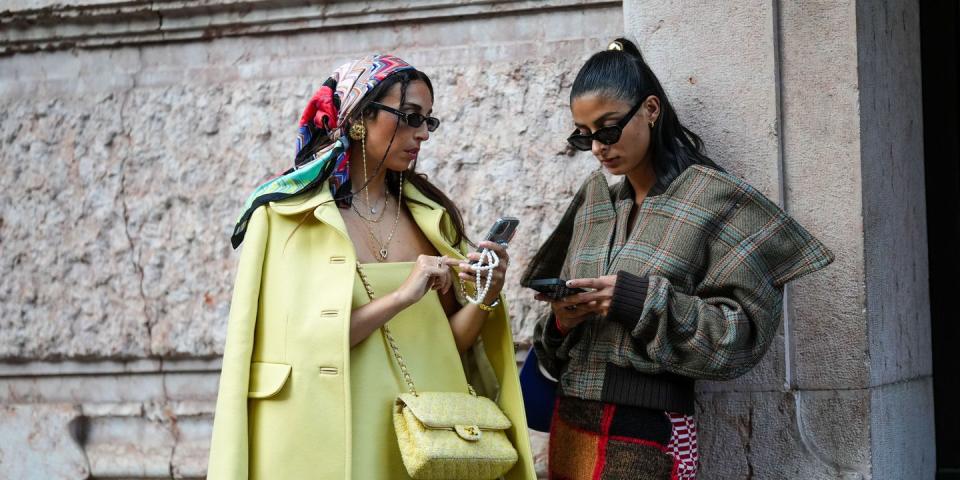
x=426, y=342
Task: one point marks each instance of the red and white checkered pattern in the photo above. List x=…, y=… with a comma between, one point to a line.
x=683, y=446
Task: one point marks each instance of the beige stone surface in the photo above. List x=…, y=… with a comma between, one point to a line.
x=38, y=442
x=729, y=100
x=847, y=164
x=822, y=169
x=140, y=419
x=123, y=167
x=126, y=168
x=795, y=435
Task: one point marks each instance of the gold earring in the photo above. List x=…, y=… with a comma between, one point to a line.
x=651, y=124
x=358, y=131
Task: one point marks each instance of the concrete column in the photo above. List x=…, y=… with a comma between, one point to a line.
x=817, y=104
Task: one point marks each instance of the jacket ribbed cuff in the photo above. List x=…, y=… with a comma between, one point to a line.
x=629, y=294
x=551, y=334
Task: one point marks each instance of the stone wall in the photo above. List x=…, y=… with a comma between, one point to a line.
x=125, y=161
x=130, y=133
x=815, y=103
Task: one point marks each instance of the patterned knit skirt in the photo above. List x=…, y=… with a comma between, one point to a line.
x=604, y=441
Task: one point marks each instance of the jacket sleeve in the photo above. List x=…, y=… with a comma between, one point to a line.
x=549, y=261
x=553, y=348
x=229, y=443
x=723, y=328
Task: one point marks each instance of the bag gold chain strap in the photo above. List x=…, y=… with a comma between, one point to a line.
x=393, y=343
x=444, y=435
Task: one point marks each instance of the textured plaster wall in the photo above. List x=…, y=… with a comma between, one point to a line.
x=898, y=301
x=124, y=168
x=810, y=102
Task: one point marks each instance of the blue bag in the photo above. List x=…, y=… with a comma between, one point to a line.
x=539, y=394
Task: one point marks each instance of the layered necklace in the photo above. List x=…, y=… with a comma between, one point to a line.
x=382, y=252
x=378, y=213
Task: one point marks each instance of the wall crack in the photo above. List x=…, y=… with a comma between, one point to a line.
x=135, y=253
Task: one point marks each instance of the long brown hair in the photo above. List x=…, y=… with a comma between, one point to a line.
x=419, y=180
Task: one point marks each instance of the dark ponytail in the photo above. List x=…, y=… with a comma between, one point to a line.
x=621, y=73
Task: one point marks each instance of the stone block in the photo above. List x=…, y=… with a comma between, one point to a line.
x=808, y=435
x=822, y=176
x=728, y=97
x=39, y=442
x=894, y=208
x=902, y=429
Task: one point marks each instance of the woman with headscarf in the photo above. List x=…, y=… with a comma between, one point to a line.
x=308, y=382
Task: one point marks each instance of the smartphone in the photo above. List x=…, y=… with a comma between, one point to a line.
x=555, y=288
x=502, y=231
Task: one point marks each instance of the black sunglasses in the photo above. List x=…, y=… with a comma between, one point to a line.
x=412, y=119
x=607, y=135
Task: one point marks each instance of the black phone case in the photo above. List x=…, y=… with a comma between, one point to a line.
x=555, y=291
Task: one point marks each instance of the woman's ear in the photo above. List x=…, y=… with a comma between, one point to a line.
x=651, y=107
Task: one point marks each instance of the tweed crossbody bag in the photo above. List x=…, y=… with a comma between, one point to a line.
x=447, y=435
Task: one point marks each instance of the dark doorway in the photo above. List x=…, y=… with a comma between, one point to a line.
x=938, y=36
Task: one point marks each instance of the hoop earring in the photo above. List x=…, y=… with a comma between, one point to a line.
x=651, y=124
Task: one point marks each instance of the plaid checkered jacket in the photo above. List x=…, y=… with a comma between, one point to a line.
x=699, y=286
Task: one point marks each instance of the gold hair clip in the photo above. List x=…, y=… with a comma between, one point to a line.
x=615, y=45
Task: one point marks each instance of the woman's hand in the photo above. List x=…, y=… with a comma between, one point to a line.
x=568, y=314
x=598, y=299
x=575, y=309
x=429, y=273
x=499, y=273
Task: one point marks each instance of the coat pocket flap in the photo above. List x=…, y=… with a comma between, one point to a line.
x=266, y=379
x=448, y=409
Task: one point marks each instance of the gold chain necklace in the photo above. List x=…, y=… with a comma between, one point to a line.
x=372, y=220
x=383, y=253
x=373, y=208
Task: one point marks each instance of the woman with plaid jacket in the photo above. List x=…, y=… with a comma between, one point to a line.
x=683, y=266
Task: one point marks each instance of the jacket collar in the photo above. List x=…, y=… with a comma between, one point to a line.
x=428, y=214
x=303, y=203
x=432, y=219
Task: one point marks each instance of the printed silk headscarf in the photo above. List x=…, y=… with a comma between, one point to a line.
x=325, y=115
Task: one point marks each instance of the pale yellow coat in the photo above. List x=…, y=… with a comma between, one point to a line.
x=283, y=408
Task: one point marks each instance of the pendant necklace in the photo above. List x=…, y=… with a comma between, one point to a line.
x=383, y=253
x=373, y=210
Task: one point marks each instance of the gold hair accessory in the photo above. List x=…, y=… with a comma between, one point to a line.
x=358, y=131
x=615, y=45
